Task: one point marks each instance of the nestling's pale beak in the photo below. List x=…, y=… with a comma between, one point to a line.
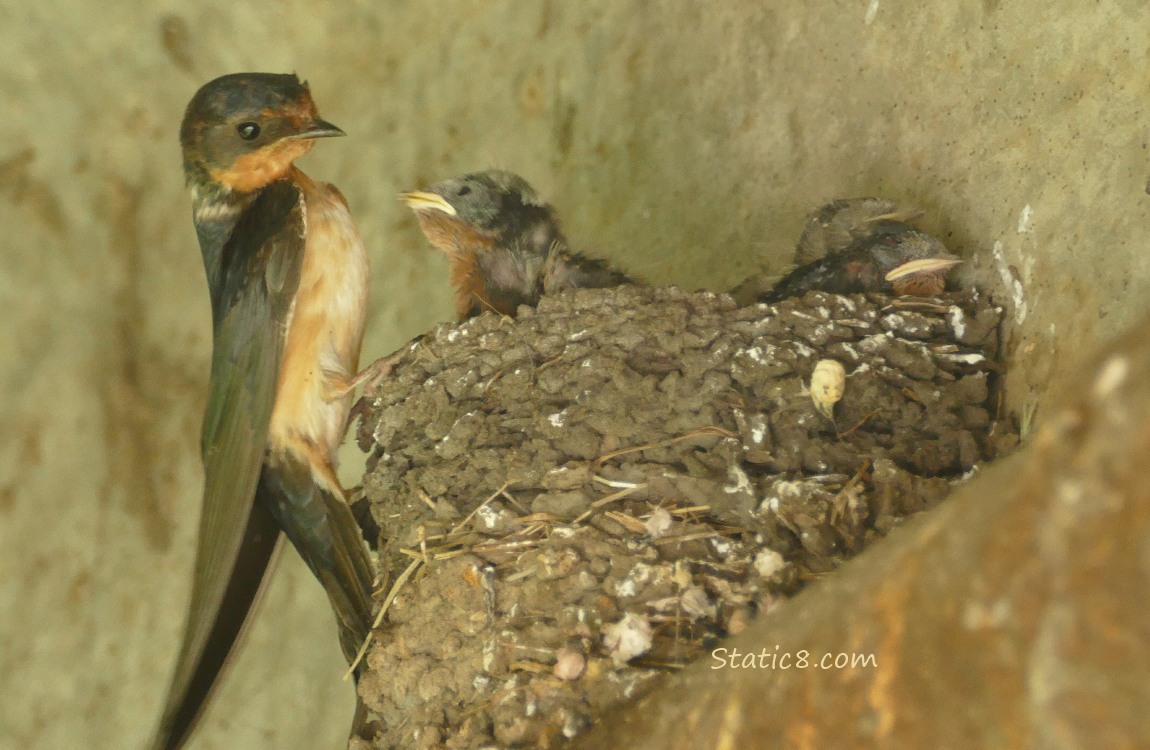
x=923, y=265
x=419, y=200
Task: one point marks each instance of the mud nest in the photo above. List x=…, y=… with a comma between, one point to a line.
x=585, y=498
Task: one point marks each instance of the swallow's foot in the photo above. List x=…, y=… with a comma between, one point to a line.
x=369, y=377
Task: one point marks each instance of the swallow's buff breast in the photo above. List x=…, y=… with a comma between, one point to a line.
x=324, y=330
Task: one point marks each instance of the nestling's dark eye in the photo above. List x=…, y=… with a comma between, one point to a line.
x=248, y=130
x=464, y=190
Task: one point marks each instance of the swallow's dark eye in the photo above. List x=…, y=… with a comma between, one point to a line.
x=248, y=130
x=464, y=190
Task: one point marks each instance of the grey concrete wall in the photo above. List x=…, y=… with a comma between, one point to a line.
x=683, y=140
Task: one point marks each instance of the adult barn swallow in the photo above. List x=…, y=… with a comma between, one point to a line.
x=288, y=276
x=885, y=254
x=504, y=244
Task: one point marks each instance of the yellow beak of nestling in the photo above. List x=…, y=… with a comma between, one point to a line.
x=419, y=200
x=923, y=265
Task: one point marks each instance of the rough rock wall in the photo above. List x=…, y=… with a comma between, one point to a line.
x=683, y=141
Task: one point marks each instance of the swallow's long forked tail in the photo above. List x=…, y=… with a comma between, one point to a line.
x=197, y=677
x=321, y=526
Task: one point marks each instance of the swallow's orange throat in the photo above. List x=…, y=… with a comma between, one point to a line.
x=453, y=236
x=259, y=168
x=461, y=243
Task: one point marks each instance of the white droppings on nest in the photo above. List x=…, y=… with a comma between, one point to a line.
x=557, y=419
x=803, y=315
x=848, y=303
x=740, y=482
x=578, y=335
x=824, y=313
x=571, y=726
x=864, y=367
x=510, y=687
x=791, y=489
x=758, y=433
x=488, y=515
x=768, y=562
x=917, y=347
x=899, y=322
x=971, y=358
x=803, y=350
x=784, y=489
x=957, y=319
x=659, y=523
x=850, y=350
x=628, y=638
x=585, y=363
x=824, y=331
x=758, y=353
x=696, y=603
x=876, y=342
x=638, y=575
x=490, y=648
x=722, y=547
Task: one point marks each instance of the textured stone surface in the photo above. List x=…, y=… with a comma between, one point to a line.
x=683, y=141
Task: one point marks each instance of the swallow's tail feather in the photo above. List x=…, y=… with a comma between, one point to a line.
x=321, y=526
x=203, y=662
